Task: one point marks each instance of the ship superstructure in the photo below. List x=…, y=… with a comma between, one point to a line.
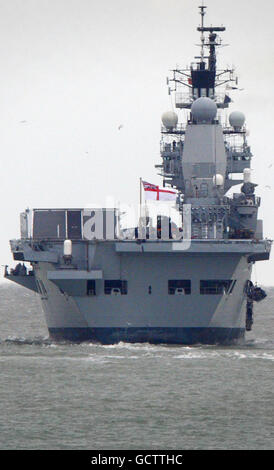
x=187, y=284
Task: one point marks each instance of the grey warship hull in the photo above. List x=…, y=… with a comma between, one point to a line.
x=168, y=335
x=77, y=306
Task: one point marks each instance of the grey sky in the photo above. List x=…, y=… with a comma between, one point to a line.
x=73, y=70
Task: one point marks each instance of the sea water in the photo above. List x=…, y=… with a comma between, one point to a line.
x=131, y=396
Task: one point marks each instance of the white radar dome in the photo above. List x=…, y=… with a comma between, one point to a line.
x=204, y=110
x=170, y=119
x=218, y=180
x=237, y=119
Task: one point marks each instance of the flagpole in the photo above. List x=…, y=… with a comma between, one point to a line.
x=140, y=208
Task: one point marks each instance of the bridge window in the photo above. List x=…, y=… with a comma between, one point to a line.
x=91, y=287
x=74, y=222
x=216, y=287
x=179, y=287
x=115, y=287
x=203, y=92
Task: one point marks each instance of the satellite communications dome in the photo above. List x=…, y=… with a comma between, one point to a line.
x=170, y=119
x=237, y=119
x=204, y=110
x=218, y=180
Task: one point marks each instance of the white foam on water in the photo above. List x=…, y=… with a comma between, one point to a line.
x=190, y=356
x=114, y=356
x=136, y=347
x=236, y=355
x=95, y=359
x=263, y=356
x=225, y=355
x=197, y=355
x=187, y=353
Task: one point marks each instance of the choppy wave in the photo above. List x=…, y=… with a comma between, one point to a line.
x=259, y=349
x=258, y=343
x=22, y=341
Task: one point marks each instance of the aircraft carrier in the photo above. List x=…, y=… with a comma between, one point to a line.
x=162, y=281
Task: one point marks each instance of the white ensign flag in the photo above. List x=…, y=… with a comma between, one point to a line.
x=154, y=193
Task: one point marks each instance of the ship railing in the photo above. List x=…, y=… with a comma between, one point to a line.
x=232, y=130
x=228, y=241
x=219, y=98
x=239, y=157
x=183, y=100
x=16, y=245
x=237, y=149
x=37, y=243
x=179, y=129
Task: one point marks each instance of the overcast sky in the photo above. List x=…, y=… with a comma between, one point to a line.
x=72, y=71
